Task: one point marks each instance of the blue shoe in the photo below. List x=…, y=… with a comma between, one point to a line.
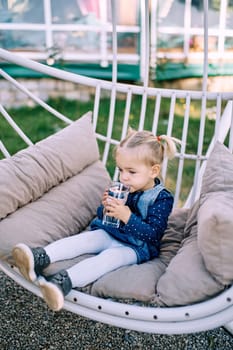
x=55, y=288
x=30, y=261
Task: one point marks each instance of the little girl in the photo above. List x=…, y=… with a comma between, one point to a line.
x=143, y=220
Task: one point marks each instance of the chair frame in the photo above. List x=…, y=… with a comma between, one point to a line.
x=215, y=312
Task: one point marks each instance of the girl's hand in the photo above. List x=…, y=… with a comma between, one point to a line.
x=116, y=208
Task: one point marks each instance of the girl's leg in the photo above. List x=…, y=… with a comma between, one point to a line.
x=91, y=269
x=55, y=289
x=32, y=261
x=90, y=242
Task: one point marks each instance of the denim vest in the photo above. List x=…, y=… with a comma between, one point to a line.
x=141, y=201
x=147, y=198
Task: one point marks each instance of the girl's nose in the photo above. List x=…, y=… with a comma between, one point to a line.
x=123, y=178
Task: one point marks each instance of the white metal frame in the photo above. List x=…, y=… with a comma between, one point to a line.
x=217, y=311
x=199, y=317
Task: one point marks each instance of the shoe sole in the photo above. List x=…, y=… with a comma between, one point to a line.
x=52, y=295
x=24, y=260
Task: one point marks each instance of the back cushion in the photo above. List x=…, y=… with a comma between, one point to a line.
x=51, y=190
x=203, y=264
x=63, y=211
x=215, y=217
x=186, y=279
x=33, y=171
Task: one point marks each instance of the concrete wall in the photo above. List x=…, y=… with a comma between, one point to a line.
x=42, y=88
x=214, y=84
x=45, y=88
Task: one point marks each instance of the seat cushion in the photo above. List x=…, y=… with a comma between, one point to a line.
x=138, y=282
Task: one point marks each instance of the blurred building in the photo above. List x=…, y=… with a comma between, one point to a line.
x=76, y=35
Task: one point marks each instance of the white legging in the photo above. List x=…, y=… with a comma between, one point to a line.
x=111, y=255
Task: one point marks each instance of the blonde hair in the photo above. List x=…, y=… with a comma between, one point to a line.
x=152, y=149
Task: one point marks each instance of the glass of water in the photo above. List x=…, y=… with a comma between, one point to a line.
x=119, y=191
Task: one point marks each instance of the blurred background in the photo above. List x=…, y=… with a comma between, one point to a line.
x=76, y=35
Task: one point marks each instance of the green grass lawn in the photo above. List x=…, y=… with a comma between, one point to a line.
x=38, y=123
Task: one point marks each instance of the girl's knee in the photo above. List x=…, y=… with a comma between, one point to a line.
x=120, y=256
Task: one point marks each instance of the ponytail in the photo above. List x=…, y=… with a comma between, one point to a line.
x=169, y=144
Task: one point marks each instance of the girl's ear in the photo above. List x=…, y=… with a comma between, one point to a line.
x=155, y=170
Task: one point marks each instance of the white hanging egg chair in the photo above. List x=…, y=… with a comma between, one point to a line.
x=210, y=313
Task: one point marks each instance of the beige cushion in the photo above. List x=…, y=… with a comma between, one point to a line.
x=138, y=281
x=33, y=171
x=215, y=217
x=64, y=210
x=51, y=190
x=186, y=279
x=203, y=265
x=219, y=171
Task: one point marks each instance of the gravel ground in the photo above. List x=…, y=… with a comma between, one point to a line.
x=27, y=324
